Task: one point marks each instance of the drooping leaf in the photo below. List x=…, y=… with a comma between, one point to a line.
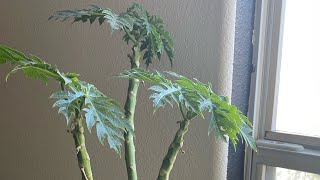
x=33, y=67
x=211, y=123
x=226, y=120
x=68, y=104
x=100, y=111
x=90, y=119
x=109, y=113
x=76, y=98
x=162, y=95
x=2, y=58
x=246, y=134
x=139, y=26
x=101, y=132
x=219, y=132
x=59, y=95
x=116, y=21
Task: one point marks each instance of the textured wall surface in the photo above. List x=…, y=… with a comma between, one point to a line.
x=220, y=150
x=35, y=144
x=241, y=77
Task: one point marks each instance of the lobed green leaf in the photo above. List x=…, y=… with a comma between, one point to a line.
x=78, y=97
x=33, y=67
x=226, y=120
x=143, y=29
x=99, y=110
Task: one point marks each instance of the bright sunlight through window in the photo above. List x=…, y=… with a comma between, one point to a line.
x=298, y=109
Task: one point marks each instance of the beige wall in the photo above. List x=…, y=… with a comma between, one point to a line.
x=34, y=141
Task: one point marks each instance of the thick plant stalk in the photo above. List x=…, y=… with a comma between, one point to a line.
x=174, y=148
x=129, y=108
x=82, y=154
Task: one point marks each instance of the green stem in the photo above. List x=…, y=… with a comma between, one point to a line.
x=131, y=37
x=129, y=108
x=82, y=154
x=182, y=112
x=174, y=148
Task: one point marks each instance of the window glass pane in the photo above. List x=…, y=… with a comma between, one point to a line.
x=275, y=173
x=298, y=108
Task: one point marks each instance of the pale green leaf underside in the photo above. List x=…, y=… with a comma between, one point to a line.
x=99, y=111
x=226, y=120
x=78, y=97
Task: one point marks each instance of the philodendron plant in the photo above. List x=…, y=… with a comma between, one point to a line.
x=82, y=103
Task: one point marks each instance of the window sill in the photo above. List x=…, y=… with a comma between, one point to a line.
x=298, y=159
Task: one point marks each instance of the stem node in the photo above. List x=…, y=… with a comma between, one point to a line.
x=182, y=151
x=78, y=149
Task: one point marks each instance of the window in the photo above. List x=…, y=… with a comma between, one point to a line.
x=285, y=91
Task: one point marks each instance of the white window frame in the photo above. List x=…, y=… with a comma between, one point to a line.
x=275, y=149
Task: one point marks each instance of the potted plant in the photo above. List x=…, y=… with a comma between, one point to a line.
x=81, y=102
